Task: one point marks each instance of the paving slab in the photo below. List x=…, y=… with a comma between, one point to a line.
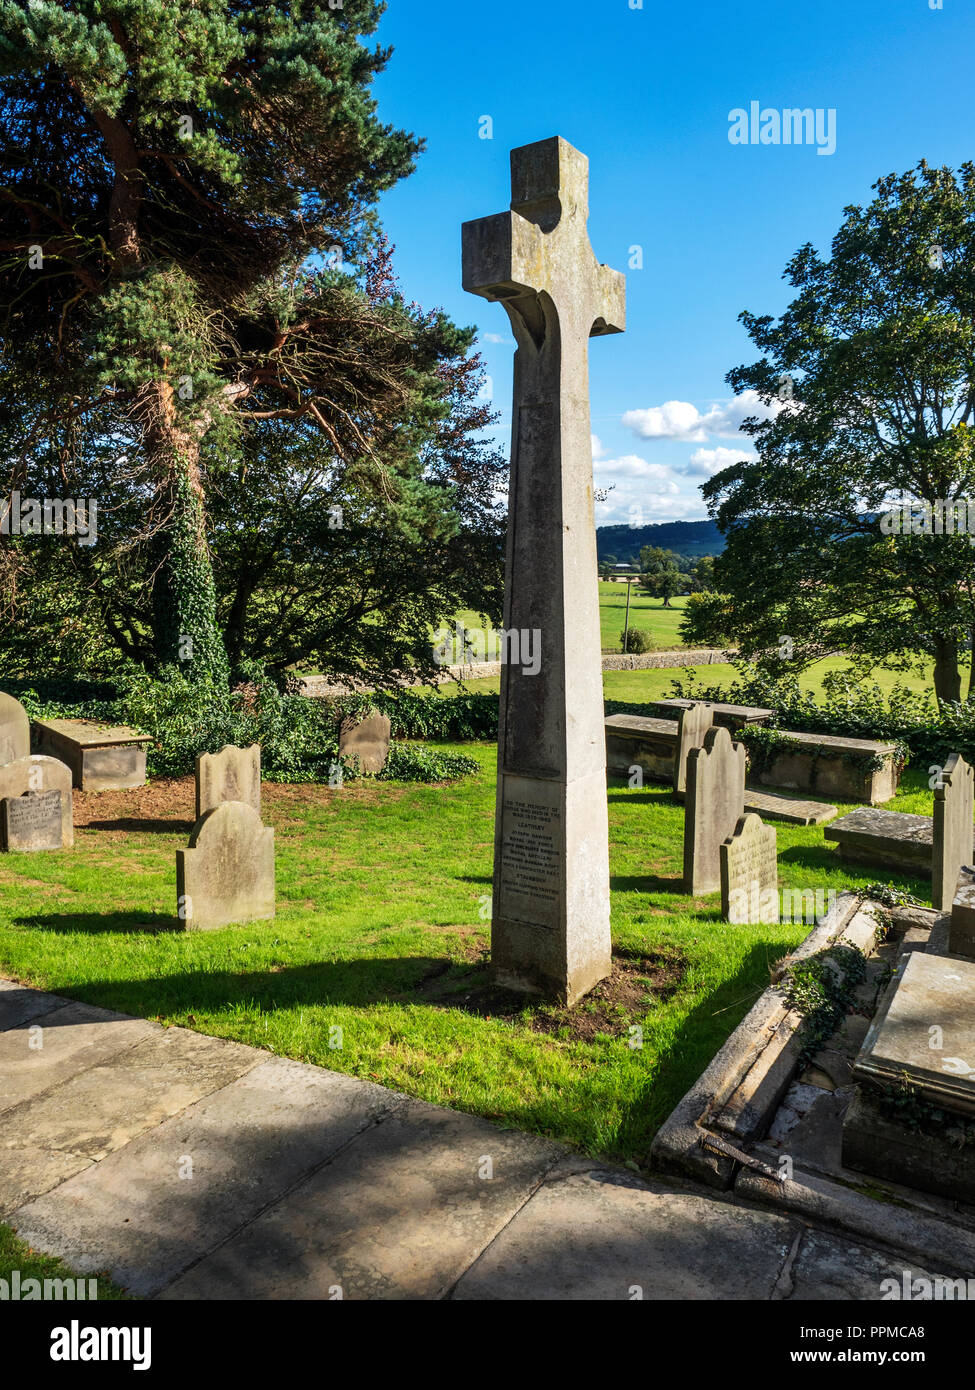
x=828, y=1268
x=19, y=1004
x=238, y=1150
x=400, y=1214
x=104, y=1107
x=29, y=1172
x=604, y=1234
x=40, y=1054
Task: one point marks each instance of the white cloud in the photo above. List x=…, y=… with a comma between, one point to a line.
x=681, y=420
x=598, y=448
x=703, y=462
x=661, y=475
x=496, y=338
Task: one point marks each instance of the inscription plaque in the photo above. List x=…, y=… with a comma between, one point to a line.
x=532, y=840
x=32, y=821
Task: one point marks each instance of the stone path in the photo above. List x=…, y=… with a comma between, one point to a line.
x=190, y=1167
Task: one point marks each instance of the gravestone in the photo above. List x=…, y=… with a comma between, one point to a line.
x=749, y=873
x=714, y=805
x=41, y=774
x=550, y=913
x=226, y=875
x=954, y=806
x=14, y=730
x=366, y=741
x=961, y=930
x=233, y=774
x=693, y=722
x=31, y=822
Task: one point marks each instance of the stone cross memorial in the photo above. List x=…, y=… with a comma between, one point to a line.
x=550, y=917
x=715, y=804
x=954, y=807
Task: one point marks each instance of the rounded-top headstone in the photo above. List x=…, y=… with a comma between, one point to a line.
x=14, y=730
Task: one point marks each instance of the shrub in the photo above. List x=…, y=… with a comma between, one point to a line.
x=634, y=640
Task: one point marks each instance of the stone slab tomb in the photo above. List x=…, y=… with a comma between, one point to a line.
x=749, y=873
x=714, y=805
x=954, y=806
x=550, y=917
x=31, y=822
x=635, y=741
x=233, y=774
x=37, y=773
x=101, y=757
x=366, y=741
x=14, y=730
x=226, y=875
x=730, y=717
x=832, y=766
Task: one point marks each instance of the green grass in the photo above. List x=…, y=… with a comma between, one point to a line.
x=16, y=1255
x=380, y=931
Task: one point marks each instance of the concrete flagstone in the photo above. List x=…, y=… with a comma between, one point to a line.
x=189, y=1167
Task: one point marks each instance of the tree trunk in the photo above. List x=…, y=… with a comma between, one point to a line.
x=971, y=669
x=184, y=598
x=947, y=674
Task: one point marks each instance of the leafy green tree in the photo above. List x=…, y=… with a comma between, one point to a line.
x=188, y=249
x=702, y=575
x=660, y=573
x=869, y=380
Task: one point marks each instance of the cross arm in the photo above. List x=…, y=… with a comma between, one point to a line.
x=610, y=302
x=502, y=256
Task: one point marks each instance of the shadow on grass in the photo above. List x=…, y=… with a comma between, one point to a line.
x=145, y=827
x=645, y=883
x=97, y=922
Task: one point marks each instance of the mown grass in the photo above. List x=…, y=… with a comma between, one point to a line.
x=382, y=931
x=15, y=1254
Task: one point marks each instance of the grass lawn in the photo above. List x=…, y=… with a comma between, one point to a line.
x=16, y=1255
x=381, y=930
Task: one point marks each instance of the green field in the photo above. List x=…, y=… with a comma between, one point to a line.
x=382, y=930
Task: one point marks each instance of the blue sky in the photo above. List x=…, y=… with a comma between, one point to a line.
x=646, y=93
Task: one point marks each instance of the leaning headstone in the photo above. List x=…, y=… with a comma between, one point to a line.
x=31, y=822
x=715, y=803
x=233, y=774
x=38, y=773
x=954, y=807
x=14, y=730
x=226, y=875
x=550, y=912
x=749, y=873
x=692, y=724
x=366, y=741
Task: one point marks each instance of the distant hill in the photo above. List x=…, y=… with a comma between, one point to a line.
x=692, y=538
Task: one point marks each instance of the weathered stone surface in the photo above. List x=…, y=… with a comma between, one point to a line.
x=45, y=1051
x=635, y=741
x=891, y=839
x=749, y=873
x=227, y=873
x=875, y=1144
x=924, y=1032
x=730, y=717
x=101, y=757
x=954, y=807
x=14, y=730
x=693, y=722
x=366, y=741
x=789, y=809
x=832, y=766
x=233, y=774
x=31, y=822
x=961, y=929
x=248, y=1143
x=550, y=920
x=604, y=1234
x=19, y=1003
x=714, y=805
x=417, y=1207
x=41, y=774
